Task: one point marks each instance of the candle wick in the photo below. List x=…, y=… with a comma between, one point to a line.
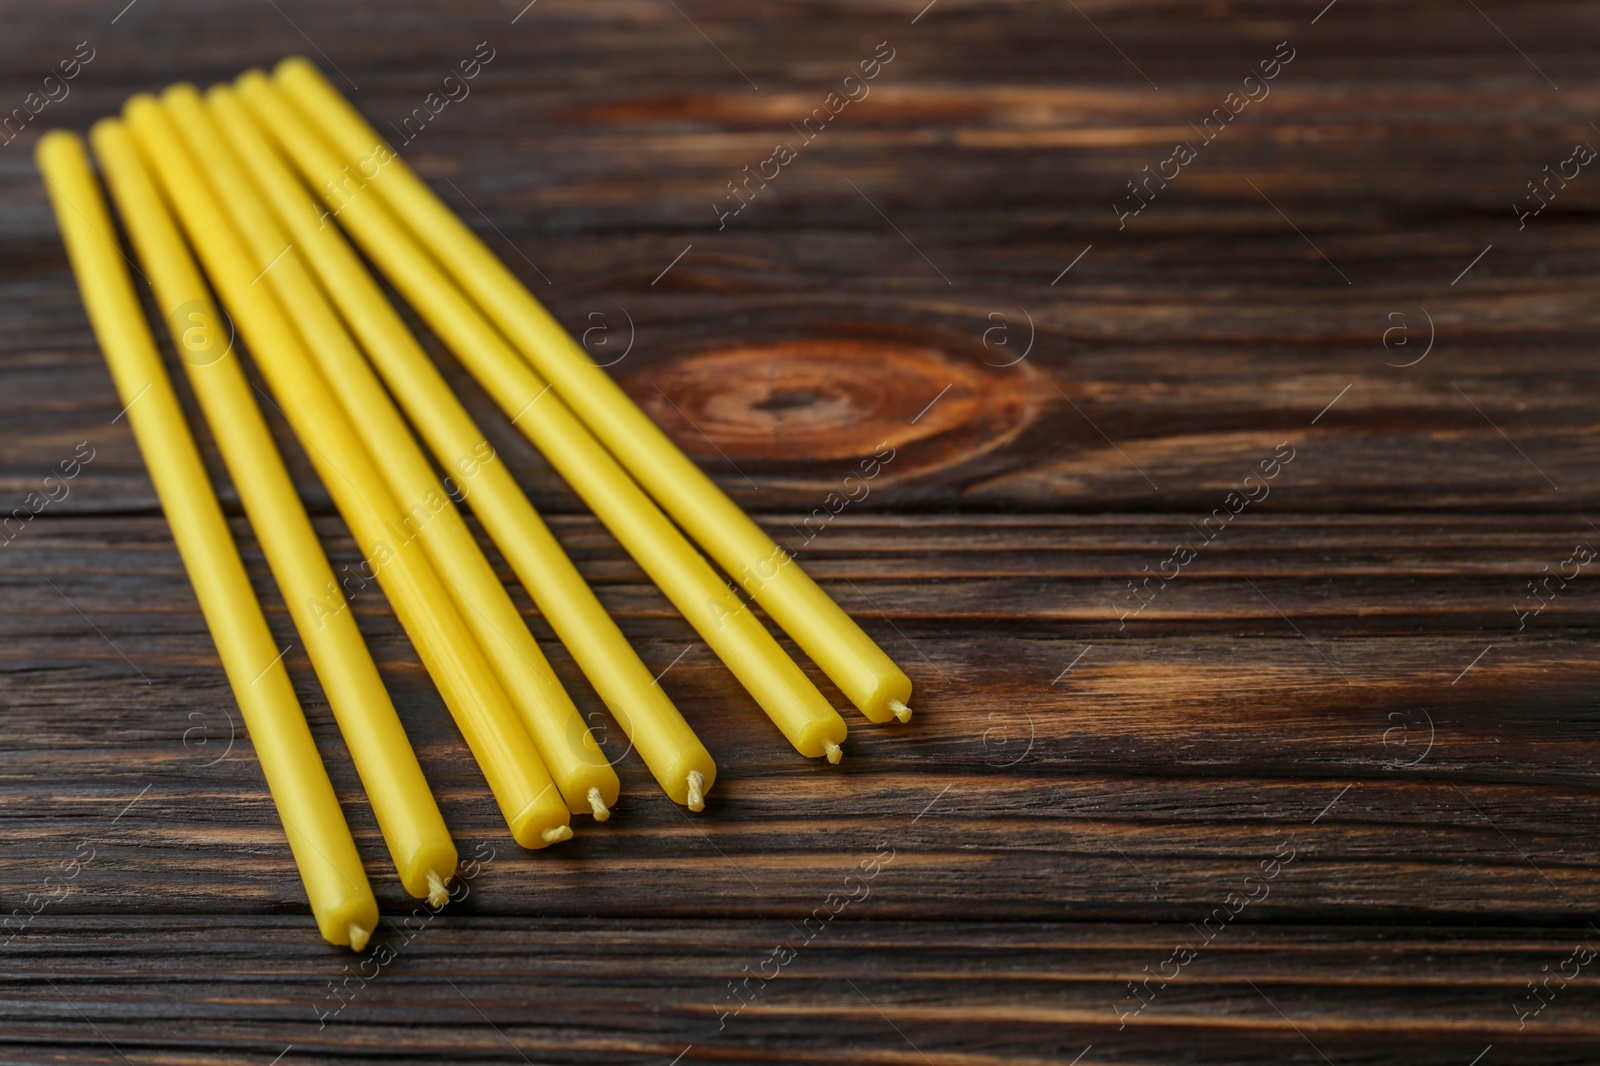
x=358, y=937
x=598, y=805
x=833, y=750
x=697, y=791
x=901, y=711
x=557, y=835
x=437, y=896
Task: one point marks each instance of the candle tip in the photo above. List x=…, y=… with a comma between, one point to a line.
x=834, y=752
x=697, y=791
x=437, y=895
x=358, y=937
x=901, y=711
x=557, y=835
x=598, y=805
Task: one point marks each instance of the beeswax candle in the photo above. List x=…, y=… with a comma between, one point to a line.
x=528, y=798
x=569, y=750
x=335, y=883
x=867, y=677
x=653, y=725
x=718, y=615
x=412, y=827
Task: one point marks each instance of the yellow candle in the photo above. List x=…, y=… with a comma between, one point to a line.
x=867, y=677
x=412, y=827
x=653, y=725
x=581, y=772
x=528, y=798
x=335, y=882
x=721, y=618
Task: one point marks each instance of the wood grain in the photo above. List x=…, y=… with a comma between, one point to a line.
x=1349, y=668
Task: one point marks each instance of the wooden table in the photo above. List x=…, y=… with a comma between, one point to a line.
x=1319, y=789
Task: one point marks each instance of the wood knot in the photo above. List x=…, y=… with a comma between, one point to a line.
x=788, y=407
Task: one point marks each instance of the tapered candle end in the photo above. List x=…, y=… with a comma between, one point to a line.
x=598, y=805
x=834, y=752
x=437, y=895
x=358, y=937
x=557, y=835
x=901, y=711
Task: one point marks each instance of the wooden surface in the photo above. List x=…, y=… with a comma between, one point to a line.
x=1339, y=678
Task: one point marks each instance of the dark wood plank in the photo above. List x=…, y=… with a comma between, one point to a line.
x=863, y=989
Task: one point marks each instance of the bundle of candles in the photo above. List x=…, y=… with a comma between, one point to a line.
x=249, y=179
